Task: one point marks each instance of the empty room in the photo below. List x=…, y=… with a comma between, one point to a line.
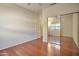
x=39, y=29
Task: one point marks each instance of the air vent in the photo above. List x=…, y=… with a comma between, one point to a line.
x=28, y=3
x=52, y=3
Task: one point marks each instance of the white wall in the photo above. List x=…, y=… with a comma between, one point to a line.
x=39, y=25
x=67, y=25
x=17, y=25
x=44, y=27
x=78, y=29
x=75, y=28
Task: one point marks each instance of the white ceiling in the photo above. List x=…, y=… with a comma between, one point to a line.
x=61, y=9
x=35, y=7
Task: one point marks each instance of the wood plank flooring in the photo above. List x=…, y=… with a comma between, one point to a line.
x=36, y=47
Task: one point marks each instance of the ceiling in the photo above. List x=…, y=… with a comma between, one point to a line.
x=35, y=7
x=61, y=9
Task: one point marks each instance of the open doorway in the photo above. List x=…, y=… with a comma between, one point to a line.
x=54, y=30
x=63, y=33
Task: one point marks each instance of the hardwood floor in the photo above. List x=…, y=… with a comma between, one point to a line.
x=39, y=48
x=68, y=47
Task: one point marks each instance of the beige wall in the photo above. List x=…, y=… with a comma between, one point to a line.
x=17, y=25
x=75, y=28
x=67, y=25
x=39, y=25
x=45, y=27
x=78, y=29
